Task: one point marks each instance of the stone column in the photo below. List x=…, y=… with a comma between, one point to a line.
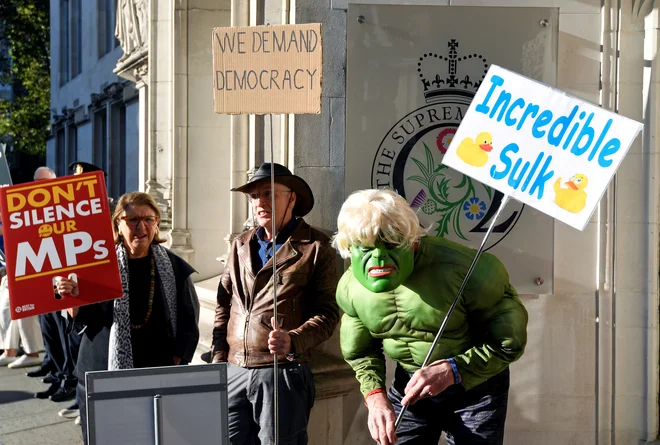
x=180, y=234
x=142, y=80
x=628, y=332
x=240, y=132
x=635, y=226
x=160, y=104
x=140, y=23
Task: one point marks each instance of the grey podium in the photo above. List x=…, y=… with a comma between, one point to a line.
x=178, y=405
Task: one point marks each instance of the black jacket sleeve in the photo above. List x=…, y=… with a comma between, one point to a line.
x=187, y=335
x=188, y=322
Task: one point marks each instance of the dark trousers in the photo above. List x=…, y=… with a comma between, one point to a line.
x=62, y=347
x=73, y=340
x=474, y=417
x=250, y=394
x=81, y=398
x=48, y=363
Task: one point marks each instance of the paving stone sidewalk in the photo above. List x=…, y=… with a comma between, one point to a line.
x=25, y=420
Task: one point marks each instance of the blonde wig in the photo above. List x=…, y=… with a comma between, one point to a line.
x=371, y=215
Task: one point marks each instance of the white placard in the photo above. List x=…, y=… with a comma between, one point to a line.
x=541, y=146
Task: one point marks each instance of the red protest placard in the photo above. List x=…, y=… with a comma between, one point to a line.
x=55, y=228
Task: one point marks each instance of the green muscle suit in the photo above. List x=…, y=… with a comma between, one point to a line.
x=485, y=333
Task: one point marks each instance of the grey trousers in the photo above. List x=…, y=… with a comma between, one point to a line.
x=250, y=393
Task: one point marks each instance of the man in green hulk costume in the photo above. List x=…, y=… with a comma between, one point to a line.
x=395, y=296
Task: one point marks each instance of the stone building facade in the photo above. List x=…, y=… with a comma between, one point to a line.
x=590, y=374
x=94, y=112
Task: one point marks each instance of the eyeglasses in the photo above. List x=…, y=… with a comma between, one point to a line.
x=264, y=194
x=135, y=220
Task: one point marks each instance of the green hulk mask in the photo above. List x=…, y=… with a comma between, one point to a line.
x=383, y=267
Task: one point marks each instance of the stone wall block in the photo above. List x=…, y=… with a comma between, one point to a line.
x=337, y=131
x=313, y=138
x=327, y=184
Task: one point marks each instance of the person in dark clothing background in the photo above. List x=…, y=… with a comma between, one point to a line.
x=62, y=340
x=61, y=345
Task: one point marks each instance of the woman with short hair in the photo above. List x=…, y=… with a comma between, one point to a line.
x=155, y=322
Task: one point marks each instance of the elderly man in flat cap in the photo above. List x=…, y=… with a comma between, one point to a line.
x=245, y=333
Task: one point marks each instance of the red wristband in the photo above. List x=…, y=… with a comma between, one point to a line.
x=371, y=393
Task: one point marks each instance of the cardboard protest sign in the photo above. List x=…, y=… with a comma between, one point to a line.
x=267, y=69
x=58, y=227
x=541, y=146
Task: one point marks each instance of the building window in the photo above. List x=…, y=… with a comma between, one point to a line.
x=5, y=66
x=106, y=26
x=100, y=129
x=72, y=145
x=117, y=169
x=121, y=186
x=131, y=148
x=76, y=37
x=60, y=152
x=64, y=42
x=70, y=39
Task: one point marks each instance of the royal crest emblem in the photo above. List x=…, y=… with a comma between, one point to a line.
x=409, y=158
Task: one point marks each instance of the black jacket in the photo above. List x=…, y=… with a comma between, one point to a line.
x=95, y=321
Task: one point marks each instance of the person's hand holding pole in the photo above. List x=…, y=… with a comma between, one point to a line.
x=68, y=287
x=279, y=340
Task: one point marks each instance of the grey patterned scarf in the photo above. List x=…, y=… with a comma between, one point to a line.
x=120, y=352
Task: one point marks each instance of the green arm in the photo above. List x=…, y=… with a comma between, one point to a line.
x=499, y=326
x=361, y=351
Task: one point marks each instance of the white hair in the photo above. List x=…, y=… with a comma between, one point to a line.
x=51, y=174
x=369, y=215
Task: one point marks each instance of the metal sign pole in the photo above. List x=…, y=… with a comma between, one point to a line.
x=505, y=199
x=274, y=236
x=158, y=420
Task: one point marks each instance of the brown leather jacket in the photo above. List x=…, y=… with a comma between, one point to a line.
x=306, y=285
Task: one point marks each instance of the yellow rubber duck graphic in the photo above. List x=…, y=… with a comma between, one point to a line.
x=473, y=152
x=572, y=199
